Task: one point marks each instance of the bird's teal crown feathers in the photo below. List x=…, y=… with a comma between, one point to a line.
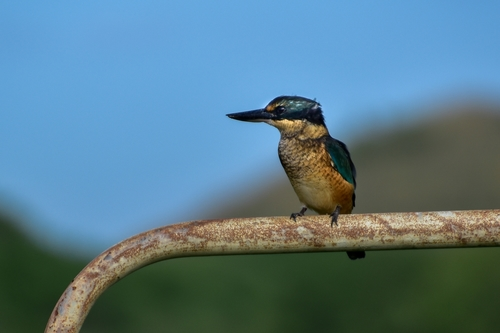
x=296, y=107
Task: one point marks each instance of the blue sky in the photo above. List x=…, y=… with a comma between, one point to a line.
x=112, y=116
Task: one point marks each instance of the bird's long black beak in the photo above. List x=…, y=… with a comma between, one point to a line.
x=254, y=115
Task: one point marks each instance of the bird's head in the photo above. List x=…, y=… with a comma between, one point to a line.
x=287, y=113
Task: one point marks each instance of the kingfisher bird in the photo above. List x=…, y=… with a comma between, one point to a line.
x=318, y=166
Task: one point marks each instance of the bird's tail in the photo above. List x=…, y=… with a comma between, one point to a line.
x=353, y=255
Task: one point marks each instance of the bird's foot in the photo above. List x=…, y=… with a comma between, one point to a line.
x=301, y=213
x=335, y=215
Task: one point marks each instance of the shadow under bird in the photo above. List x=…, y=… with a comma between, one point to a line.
x=318, y=166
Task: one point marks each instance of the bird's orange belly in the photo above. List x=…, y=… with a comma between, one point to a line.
x=324, y=197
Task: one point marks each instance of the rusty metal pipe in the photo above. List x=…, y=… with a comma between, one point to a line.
x=270, y=235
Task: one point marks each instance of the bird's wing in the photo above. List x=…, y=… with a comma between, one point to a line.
x=341, y=159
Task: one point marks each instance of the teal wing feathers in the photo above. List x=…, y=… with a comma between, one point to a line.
x=341, y=159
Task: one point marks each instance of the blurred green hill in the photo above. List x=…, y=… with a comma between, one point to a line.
x=447, y=162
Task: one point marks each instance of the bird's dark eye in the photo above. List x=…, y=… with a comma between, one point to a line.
x=279, y=110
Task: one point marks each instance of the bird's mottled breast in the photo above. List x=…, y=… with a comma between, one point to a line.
x=302, y=158
x=311, y=172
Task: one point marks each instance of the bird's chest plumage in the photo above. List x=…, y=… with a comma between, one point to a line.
x=313, y=177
